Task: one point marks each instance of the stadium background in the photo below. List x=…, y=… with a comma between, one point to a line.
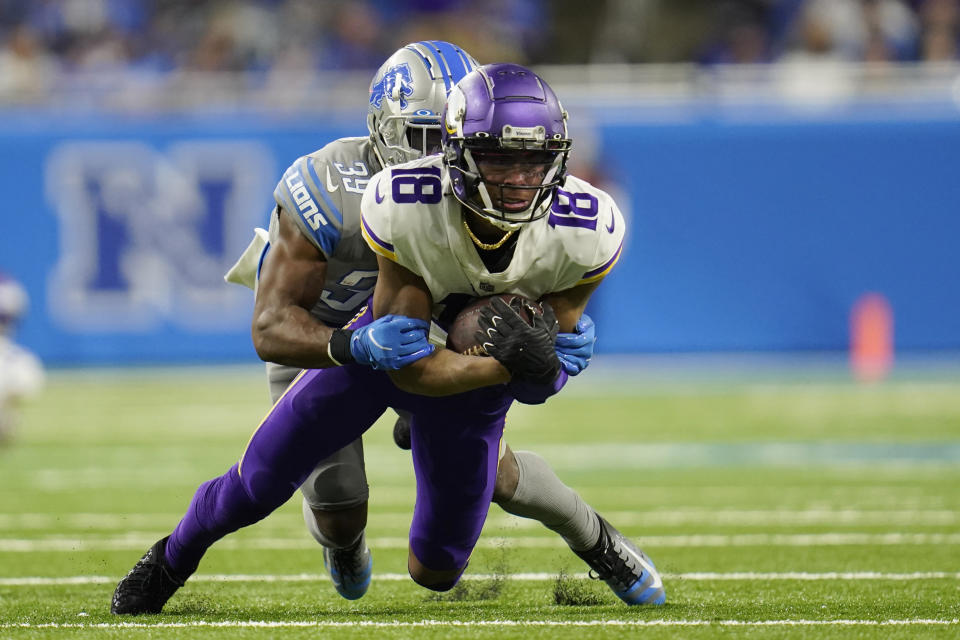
x=778, y=161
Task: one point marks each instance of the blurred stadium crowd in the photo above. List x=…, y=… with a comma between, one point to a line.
x=43, y=39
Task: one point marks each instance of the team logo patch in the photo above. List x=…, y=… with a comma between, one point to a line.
x=396, y=84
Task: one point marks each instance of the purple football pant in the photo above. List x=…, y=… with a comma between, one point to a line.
x=455, y=444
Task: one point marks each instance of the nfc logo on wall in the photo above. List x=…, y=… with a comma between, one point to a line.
x=146, y=235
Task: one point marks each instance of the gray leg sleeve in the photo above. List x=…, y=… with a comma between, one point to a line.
x=312, y=527
x=541, y=495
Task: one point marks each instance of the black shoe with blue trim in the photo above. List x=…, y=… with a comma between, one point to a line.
x=625, y=568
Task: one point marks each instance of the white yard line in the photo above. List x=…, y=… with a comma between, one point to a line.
x=680, y=516
x=141, y=541
x=521, y=577
x=272, y=624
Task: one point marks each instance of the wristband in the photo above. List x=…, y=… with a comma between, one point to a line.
x=338, y=348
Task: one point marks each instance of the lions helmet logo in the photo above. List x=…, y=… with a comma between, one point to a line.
x=396, y=85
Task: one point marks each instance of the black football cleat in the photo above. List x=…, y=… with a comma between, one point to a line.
x=627, y=571
x=149, y=584
x=401, y=430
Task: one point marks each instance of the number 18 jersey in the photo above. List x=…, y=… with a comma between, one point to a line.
x=410, y=216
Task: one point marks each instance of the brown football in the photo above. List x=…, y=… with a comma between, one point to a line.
x=461, y=336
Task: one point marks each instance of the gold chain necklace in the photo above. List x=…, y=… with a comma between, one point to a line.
x=487, y=246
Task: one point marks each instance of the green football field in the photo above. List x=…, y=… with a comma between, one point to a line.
x=781, y=506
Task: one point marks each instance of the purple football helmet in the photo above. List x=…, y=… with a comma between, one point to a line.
x=505, y=115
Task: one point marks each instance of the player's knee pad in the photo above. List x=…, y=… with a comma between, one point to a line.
x=335, y=485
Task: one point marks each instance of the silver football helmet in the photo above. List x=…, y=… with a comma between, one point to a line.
x=407, y=96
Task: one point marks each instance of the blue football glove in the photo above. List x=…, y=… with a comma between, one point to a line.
x=576, y=349
x=391, y=342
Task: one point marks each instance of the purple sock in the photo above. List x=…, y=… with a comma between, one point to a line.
x=324, y=411
x=219, y=507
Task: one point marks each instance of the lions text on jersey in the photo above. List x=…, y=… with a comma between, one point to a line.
x=321, y=194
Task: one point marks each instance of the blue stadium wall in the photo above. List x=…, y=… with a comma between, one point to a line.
x=749, y=230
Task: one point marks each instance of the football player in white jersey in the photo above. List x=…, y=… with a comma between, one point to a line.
x=324, y=410
x=498, y=213
x=21, y=374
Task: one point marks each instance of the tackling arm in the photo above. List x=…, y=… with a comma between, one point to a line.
x=291, y=281
x=400, y=291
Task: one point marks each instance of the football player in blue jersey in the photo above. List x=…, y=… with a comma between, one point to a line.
x=312, y=269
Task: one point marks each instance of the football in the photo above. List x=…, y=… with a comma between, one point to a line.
x=461, y=336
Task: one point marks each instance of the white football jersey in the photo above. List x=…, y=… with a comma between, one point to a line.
x=410, y=215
